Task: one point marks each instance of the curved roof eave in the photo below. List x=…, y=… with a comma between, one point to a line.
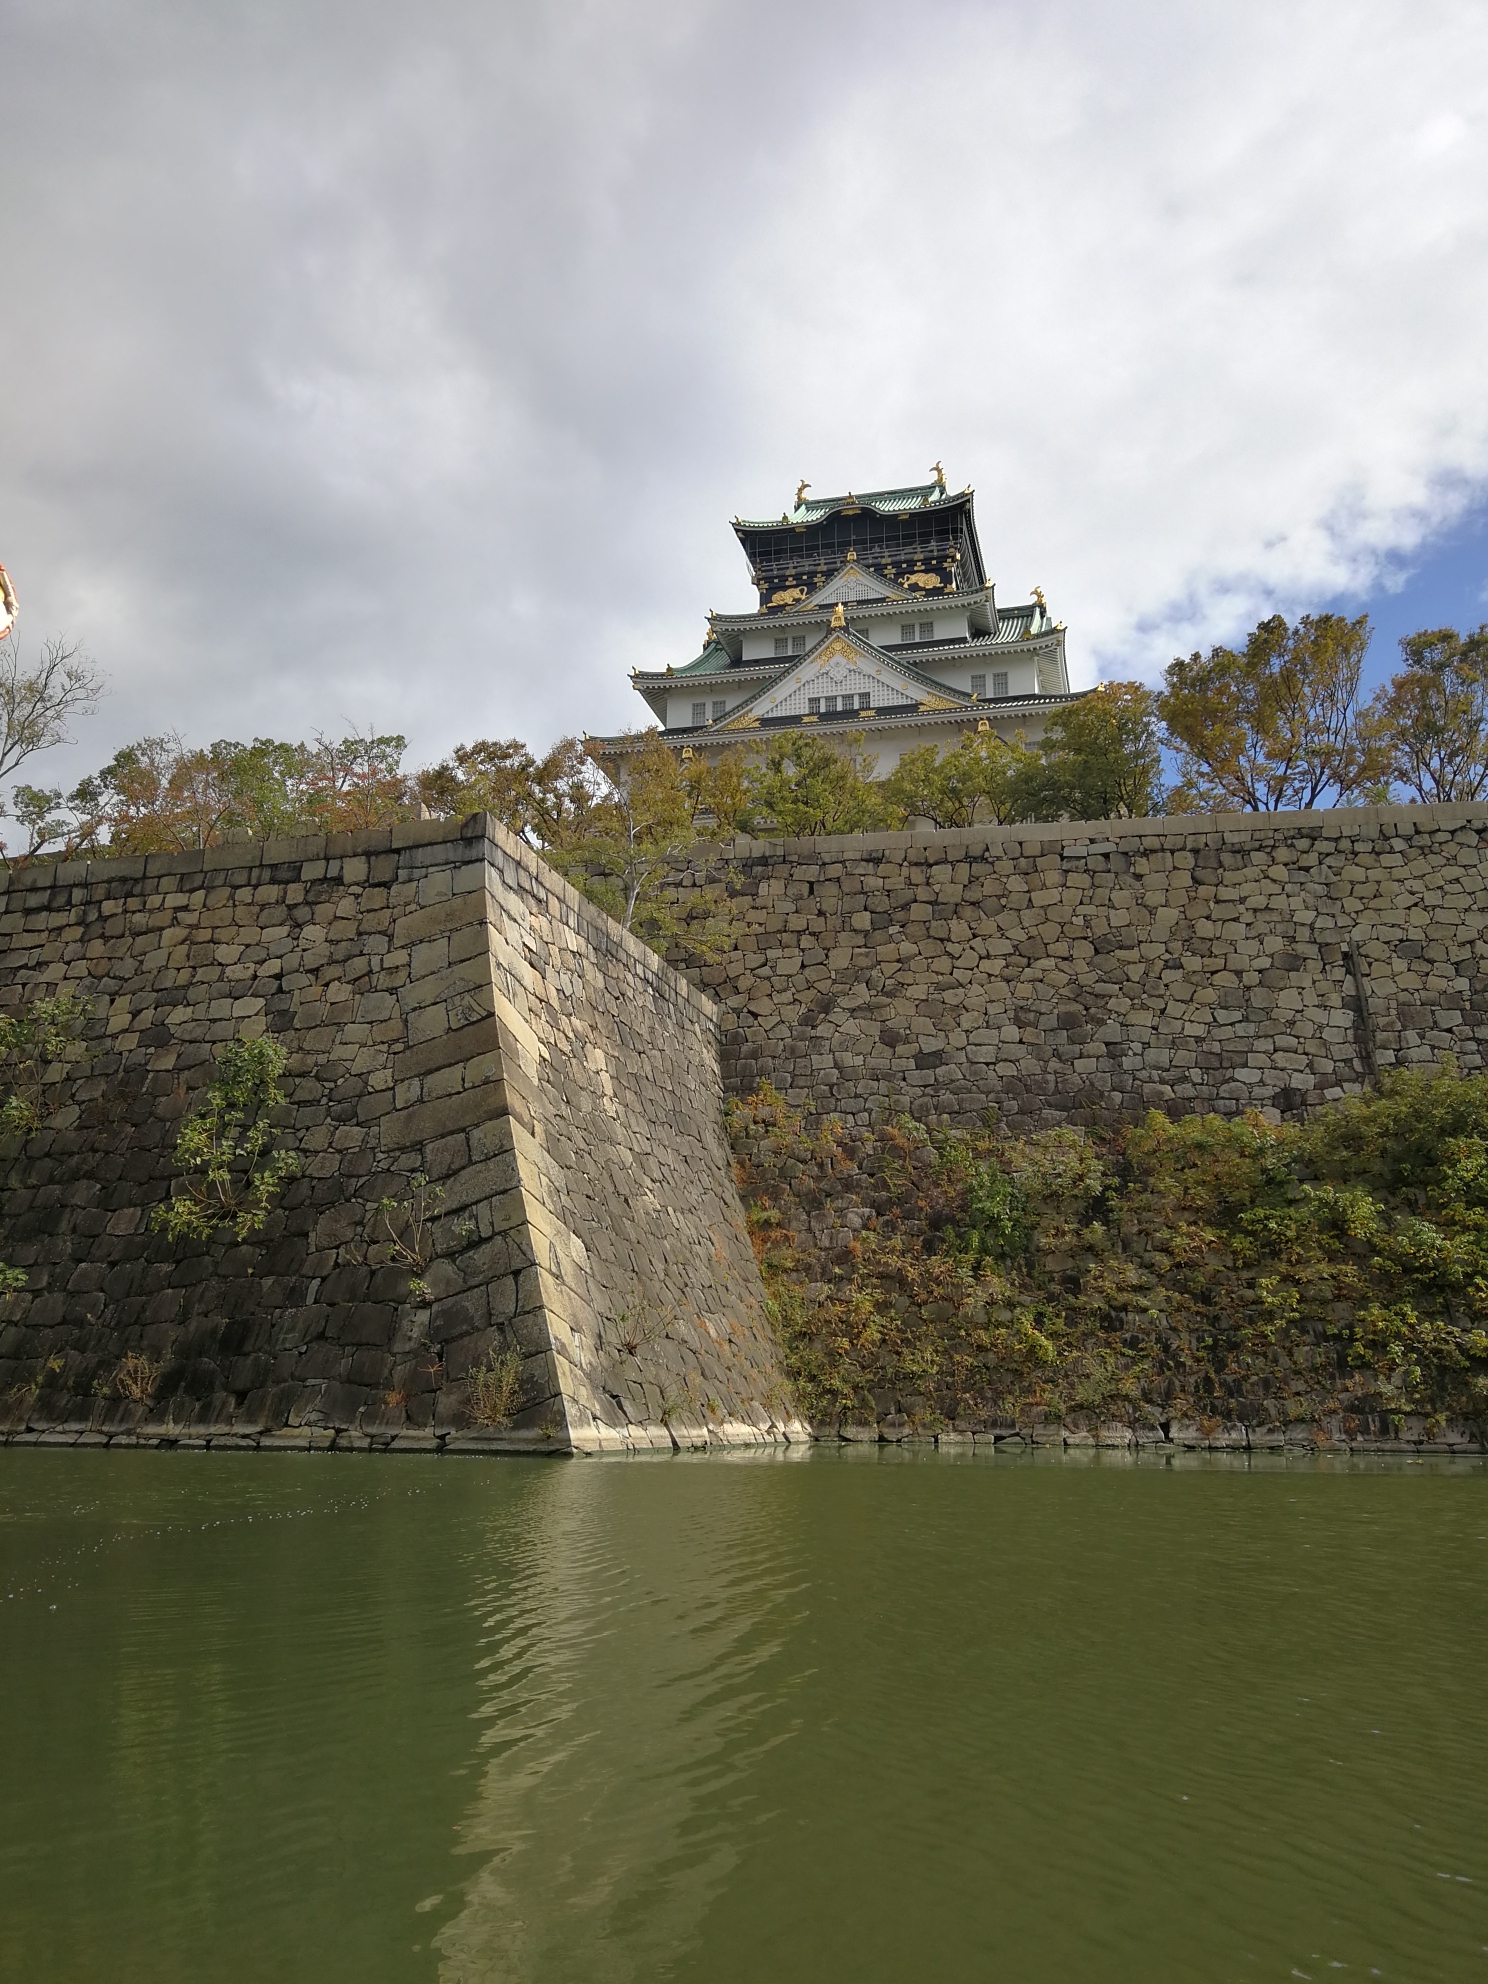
x=752, y=620
x=915, y=499
x=770, y=667
x=1000, y=711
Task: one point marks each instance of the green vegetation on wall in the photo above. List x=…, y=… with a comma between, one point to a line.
x=1226, y=1267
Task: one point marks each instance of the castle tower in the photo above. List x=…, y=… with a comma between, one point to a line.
x=874, y=615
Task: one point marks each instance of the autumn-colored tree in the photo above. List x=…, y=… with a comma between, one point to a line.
x=978, y=778
x=625, y=845
x=1269, y=726
x=159, y=795
x=805, y=784
x=1098, y=759
x=1427, y=728
x=542, y=800
x=350, y=784
x=622, y=848
x=717, y=791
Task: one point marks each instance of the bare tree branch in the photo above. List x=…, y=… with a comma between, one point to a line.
x=37, y=706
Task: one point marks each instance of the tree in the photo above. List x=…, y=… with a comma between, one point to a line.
x=1269, y=726
x=805, y=785
x=623, y=849
x=978, y=778
x=717, y=791
x=153, y=796
x=1098, y=759
x=72, y=825
x=354, y=783
x=633, y=836
x=159, y=795
x=36, y=712
x=1427, y=728
x=543, y=801
x=37, y=708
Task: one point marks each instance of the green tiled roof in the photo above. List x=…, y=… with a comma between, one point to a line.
x=920, y=496
x=713, y=657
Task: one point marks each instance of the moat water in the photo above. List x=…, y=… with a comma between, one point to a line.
x=845, y=1716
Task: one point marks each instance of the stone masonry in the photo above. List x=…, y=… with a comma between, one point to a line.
x=452, y=1011
x=1076, y=972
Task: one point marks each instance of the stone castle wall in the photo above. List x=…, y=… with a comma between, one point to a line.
x=1068, y=973
x=451, y=1010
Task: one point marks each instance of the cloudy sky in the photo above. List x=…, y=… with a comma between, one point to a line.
x=370, y=363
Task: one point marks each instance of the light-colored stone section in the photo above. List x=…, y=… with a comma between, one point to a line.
x=643, y=1267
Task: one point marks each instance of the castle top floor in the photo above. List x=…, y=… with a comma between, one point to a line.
x=919, y=540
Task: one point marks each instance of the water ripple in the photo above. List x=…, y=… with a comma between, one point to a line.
x=717, y=1719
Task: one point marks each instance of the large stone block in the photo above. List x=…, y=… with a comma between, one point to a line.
x=1164, y=934
x=452, y=1013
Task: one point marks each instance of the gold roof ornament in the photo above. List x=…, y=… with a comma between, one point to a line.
x=687, y=754
x=1038, y=593
x=939, y=473
x=839, y=618
x=982, y=724
x=852, y=556
x=801, y=488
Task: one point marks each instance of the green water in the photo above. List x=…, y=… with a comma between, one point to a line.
x=851, y=1716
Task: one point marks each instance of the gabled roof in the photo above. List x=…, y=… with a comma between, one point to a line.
x=841, y=643
x=855, y=583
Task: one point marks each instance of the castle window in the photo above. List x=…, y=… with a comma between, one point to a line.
x=927, y=630
x=813, y=705
x=782, y=644
x=798, y=644
x=979, y=685
x=906, y=631
x=999, y=685
x=831, y=706
x=700, y=712
x=718, y=710
x=865, y=701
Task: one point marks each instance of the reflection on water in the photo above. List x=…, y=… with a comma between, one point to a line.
x=628, y=1703
x=832, y=1715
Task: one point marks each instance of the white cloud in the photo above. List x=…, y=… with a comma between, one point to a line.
x=1194, y=295
x=370, y=365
